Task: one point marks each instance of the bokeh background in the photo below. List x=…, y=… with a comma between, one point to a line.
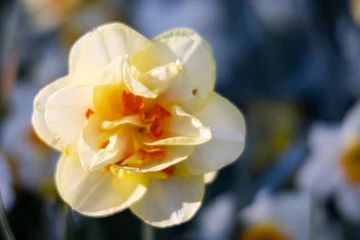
x=291, y=66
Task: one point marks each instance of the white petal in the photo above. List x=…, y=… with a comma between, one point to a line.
x=111, y=74
x=160, y=78
x=351, y=125
x=92, y=156
x=170, y=202
x=135, y=85
x=210, y=177
x=325, y=139
x=186, y=129
x=217, y=217
x=65, y=113
x=227, y=126
x=197, y=58
x=173, y=155
x=188, y=33
x=314, y=175
x=75, y=52
x=348, y=201
x=107, y=43
x=6, y=184
x=38, y=118
x=96, y=194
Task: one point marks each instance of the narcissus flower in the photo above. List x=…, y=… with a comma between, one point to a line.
x=285, y=216
x=332, y=168
x=139, y=124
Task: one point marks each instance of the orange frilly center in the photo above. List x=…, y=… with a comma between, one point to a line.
x=113, y=103
x=264, y=232
x=350, y=163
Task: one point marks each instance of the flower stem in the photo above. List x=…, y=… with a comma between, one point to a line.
x=6, y=230
x=147, y=232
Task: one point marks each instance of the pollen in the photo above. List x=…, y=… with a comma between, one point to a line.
x=133, y=104
x=106, y=169
x=350, y=163
x=89, y=113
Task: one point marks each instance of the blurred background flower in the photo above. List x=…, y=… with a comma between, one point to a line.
x=292, y=67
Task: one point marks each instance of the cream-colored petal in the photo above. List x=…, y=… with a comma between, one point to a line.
x=186, y=129
x=98, y=148
x=135, y=85
x=65, y=113
x=154, y=55
x=75, y=52
x=351, y=126
x=111, y=74
x=188, y=33
x=210, y=177
x=228, y=136
x=197, y=58
x=170, y=202
x=38, y=117
x=132, y=119
x=160, y=78
x=173, y=155
x=97, y=194
x=107, y=43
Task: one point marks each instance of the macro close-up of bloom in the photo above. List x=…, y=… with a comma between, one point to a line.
x=139, y=124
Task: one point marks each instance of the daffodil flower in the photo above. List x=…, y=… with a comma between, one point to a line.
x=139, y=124
x=285, y=216
x=332, y=168
x=33, y=161
x=48, y=14
x=6, y=184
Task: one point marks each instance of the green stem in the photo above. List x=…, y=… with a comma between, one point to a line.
x=147, y=232
x=8, y=235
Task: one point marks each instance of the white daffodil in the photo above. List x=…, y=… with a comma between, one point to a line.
x=139, y=124
x=333, y=165
x=48, y=14
x=285, y=216
x=6, y=183
x=33, y=160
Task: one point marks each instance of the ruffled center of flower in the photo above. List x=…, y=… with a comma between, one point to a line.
x=264, y=232
x=139, y=120
x=350, y=163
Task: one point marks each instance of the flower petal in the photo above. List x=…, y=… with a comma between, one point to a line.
x=173, y=155
x=314, y=175
x=348, y=201
x=107, y=43
x=186, y=129
x=228, y=134
x=38, y=118
x=351, y=125
x=197, y=58
x=210, y=177
x=170, y=202
x=188, y=33
x=76, y=50
x=97, y=194
x=93, y=154
x=65, y=113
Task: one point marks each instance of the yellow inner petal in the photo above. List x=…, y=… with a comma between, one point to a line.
x=264, y=232
x=350, y=163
